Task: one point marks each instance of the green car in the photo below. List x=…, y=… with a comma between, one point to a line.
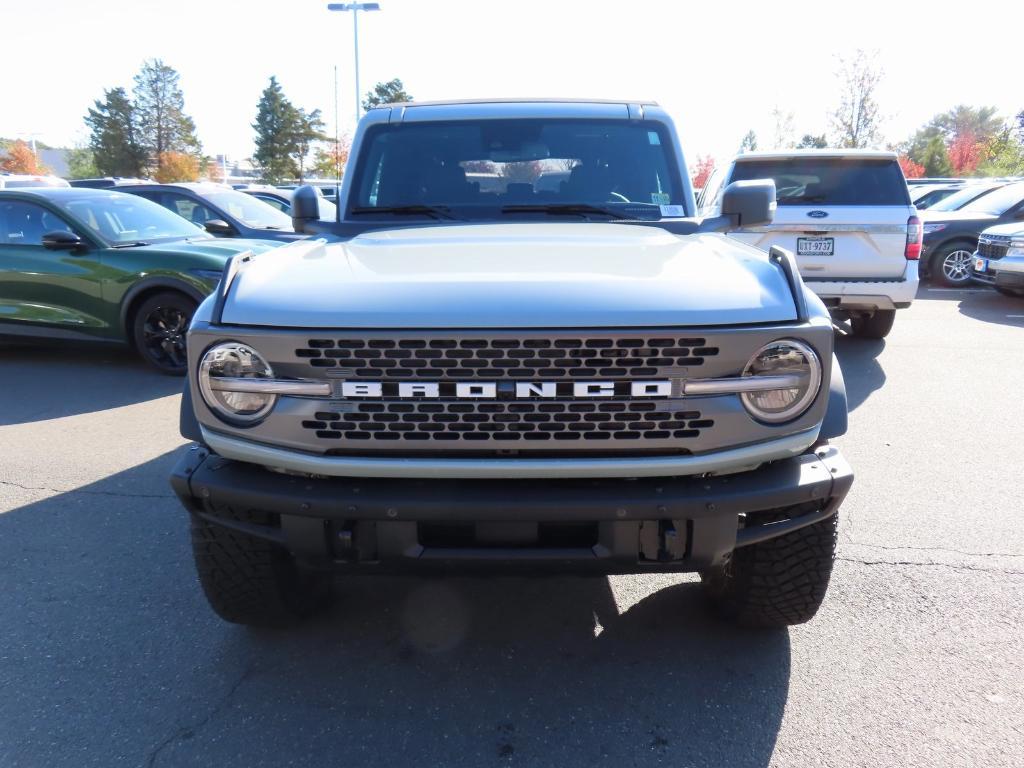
x=99, y=265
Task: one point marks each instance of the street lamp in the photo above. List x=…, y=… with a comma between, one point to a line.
x=355, y=8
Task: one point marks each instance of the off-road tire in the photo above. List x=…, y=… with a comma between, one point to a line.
x=777, y=583
x=253, y=581
x=877, y=326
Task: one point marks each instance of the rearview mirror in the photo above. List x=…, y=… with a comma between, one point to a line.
x=61, y=240
x=219, y=227
x=750, y=203
x=305, y=207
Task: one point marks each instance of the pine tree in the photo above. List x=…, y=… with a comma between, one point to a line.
x=114, y=136
x=276, y=144
x=308, y=127
x=936, y=159
x=390, y=92
x=160, y=106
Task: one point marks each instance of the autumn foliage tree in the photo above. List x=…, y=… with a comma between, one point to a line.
x=911, y=169
x=965, y=153
x=177, y=166
x=331, y=158
x=702, y=171
x=21, y=159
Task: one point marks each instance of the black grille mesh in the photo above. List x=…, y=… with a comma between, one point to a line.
x=507, y=421
x=993, y=249
x=505, y=358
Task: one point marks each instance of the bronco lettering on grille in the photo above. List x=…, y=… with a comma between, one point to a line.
x=505, y=390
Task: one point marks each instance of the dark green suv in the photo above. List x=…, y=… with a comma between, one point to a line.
x=101, y=265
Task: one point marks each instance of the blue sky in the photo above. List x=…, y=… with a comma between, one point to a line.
x=720, y=68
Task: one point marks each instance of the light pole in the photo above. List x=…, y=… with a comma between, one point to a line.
x=355, y=8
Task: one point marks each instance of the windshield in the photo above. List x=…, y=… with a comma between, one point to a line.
x=998, y=202
x=119, y=218
x=960, y=198
x=828, y=180
x=479, y=168
x=249, y=210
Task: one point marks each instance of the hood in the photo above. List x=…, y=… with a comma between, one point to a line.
x=1013, y=229
x=213, y=246
x=934, y=217
x=522, y=275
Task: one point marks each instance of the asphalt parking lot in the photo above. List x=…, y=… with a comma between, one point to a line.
x=110, y=656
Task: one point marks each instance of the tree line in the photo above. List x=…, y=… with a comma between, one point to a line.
x=962, y=141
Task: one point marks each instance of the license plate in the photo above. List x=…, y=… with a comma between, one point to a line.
x=815, y=246
x=981, y=265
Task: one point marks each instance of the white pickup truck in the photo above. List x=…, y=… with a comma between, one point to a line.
x=847, y=216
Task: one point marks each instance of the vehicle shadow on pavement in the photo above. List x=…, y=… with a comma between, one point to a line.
x=992, y=307
x=861, y=370
x=106, y=638
x=54, y=379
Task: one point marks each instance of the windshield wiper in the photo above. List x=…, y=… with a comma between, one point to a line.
x=433, y=211
x=136, y=244
x=565, y=209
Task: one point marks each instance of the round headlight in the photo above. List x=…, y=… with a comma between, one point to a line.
x=786, y=362
x=219, y=371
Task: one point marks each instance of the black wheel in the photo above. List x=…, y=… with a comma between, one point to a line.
x=159, y=326
x=777, y=583
x=876, y=326
x=252, y=581
x=952, y=265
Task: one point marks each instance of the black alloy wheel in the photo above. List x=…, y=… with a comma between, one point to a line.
x=160, y=328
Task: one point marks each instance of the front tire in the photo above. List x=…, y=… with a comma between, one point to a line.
x=159, y=328
x=777, y=583
x=253, y=581
x=951, y=266
x=875, y=326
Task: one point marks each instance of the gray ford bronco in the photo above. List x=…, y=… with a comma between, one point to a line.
x=517, y=348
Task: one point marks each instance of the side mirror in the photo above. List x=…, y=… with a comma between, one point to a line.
x=749, y=203
x=219, y=227
x=61, y=240
x=305, y=207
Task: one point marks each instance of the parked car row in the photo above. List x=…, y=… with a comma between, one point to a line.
x=101, y=265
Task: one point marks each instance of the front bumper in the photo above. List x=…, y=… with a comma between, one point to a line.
x=1007, y=272
x=636, y=524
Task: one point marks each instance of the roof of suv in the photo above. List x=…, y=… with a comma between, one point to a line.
x=785, y=154
x=514, y=100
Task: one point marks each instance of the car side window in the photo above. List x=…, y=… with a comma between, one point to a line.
x=277, y=203
x=188, y=208
x=25, y=223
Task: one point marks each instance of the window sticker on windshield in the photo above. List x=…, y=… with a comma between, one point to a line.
x=660, y=198
x=672, y=211
x=654, y=138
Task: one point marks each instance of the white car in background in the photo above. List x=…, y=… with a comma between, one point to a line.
x=999, y=260
x=25, y=181
x=847, y=216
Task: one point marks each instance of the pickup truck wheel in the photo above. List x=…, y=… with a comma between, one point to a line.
x=777, y=583
x=876, y=326
x=253, y=581
x=159, y=327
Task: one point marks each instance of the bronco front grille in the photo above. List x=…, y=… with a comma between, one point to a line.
x=565, y=422
x=491, y=358
x=993, y=246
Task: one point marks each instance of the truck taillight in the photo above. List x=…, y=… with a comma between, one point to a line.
x=915, y=234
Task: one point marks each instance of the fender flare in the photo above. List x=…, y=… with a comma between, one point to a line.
x=188, y=424
x=148, y=284
x=836, y=419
